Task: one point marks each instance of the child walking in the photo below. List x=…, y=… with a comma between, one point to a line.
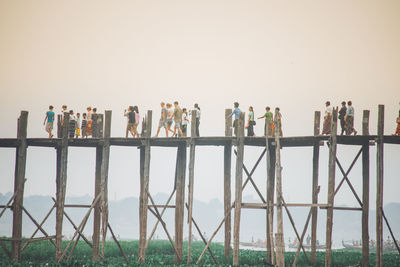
x=185, y=121
x=84, y=126
x=78, y=125
x=50, y=121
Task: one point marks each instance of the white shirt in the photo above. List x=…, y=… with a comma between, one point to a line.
x=328, y=110
x=198, y=113
x=184, y=119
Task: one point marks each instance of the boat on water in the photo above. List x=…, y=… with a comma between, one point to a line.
x=306, y=245
x=387, y=244
x=258, y=244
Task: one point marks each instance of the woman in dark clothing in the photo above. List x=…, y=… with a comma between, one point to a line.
x=250, y=123
x=342, y=114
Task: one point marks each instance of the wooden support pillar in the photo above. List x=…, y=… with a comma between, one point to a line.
x=106, y=131
x=271, y=157
x=314, y=220
x=19, y=180
x=227, y=184
x=379, y=186
x=144, y=187
x=101, y=183
x=191, y=181
x=279, y=237
x=331, y=188
x=59, y=126
x=180, y=200
x=97, y=208
x=365, y=196
x=365, y=123
x=238, y=188
x=61, y=183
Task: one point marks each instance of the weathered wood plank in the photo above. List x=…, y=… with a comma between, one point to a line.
x=106, y=132
x=331, y=188
x=227, y=184
x=238, y=188
x=144, y=187
x=180, y=201
x=271, y=157
x=61, y=184
x=192, y=157
x=279, y=237
x=379, y=186
x=19, y=180
x=315, y=186
x=365, y=206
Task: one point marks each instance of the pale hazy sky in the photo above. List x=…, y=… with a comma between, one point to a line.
x=111, y=54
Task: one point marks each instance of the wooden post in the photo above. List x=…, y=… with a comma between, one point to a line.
x=97, y=209
x=144, y=187
x=59, y=126
x=61, y=183
x=331, y=188
x=314, y=220
x=379, y=187
x=279, y=237
x=227, y=184
x=271, y=157
x=191, y=181
x=180, y=200
x=104, y=173
x=238, y=188
x=365, y=123
x=101, y=184
x=19, y=180
x=365, y=207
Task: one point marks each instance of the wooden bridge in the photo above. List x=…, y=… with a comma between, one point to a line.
x=269, y=202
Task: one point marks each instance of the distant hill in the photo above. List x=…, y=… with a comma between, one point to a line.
x=124, y=219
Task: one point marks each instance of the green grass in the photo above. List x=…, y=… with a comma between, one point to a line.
x=160, y=253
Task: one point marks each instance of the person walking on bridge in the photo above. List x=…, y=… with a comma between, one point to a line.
x=50, y=121
x=269, y=121
x=398, y=125
x=342, y=114
x=250, y=122
x=236, y=112
x=177, y=116
x=163, y=120
x=326, y=127
x=131, y=126
x=349, y=118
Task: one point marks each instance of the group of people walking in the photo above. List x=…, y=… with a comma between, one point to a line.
x=175, y=120
x=180, y=118
x=269, y=126
x=346, y=118
x=77, y=126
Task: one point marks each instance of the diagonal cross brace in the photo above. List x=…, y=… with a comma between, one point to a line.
x=230, y=209
x=203, y=238
x=158, y=221
x=249, y=174
x=156, y=213
x=37, y=229
x=345, y=177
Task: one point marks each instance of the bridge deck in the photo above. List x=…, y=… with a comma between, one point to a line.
x=295, y=141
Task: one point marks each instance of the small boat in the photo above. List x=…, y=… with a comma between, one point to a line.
x=357, y=244
x=306, y=246
x=258, y=244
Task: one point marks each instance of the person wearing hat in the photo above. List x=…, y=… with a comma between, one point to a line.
x=326, y=128
x=342, y=114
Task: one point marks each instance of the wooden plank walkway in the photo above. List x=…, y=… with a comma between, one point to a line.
x=295, y=141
